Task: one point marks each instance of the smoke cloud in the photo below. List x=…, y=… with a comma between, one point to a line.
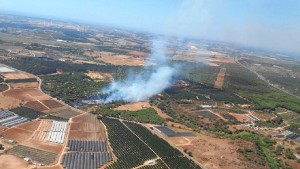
x=150, y=81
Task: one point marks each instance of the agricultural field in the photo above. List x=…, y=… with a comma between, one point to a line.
x=170, y=155
x=27, y=112
x=159, y=147
x=134, y=154
x=86, y=127
x=37, y=155
x=66, y=113
x=86, y=154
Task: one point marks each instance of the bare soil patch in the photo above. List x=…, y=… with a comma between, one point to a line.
x=220, y=79
x=12, y=162
x=123, y=60
x=240, y=117
x=52, y=104
x=30, y=126
x=17, y=75
x=86, y=126
x=133, y=106
x=99, y=76
x=26, y=94
x=8, y=102
x=217, y=153
x=66, y=113
x=46, y=146
x=36, y=105
x=24, y=85
x=85, y=135
x=2, y=128
x=17, y=134
x=221, y=58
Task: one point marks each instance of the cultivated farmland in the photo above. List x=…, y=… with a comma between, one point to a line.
x=8, y=118
x=57, y=132
x=86, y=154
x=40, y=156
x=86, y=127
x=129, y=150
x=171, y=156
x=66, y=113
x=27, y=112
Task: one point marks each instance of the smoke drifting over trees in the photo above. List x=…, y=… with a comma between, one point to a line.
x=150, y=81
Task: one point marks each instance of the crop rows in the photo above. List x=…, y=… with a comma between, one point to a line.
x=85, y=160
x=86, y=154
x=86, y=146
x=27, y=112
x=129, y=150
x=37, y=155
x=171, y=156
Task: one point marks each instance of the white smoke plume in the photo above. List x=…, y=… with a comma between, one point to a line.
x=149, y=82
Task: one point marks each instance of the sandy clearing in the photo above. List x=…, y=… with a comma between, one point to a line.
x=99, y=76
x=133, y=106
x=24, y=85
x=217, y=153
x=123, y=60
x=139, y=106
x=240, y=117
x=17, y=75
x=12, y=162
x=220, y=79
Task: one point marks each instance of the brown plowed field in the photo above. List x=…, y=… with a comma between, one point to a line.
x=8, y=102
x=17, y=134
x=46, y=146
x=86, y=126
x=220, y=79
x=85, y=135
x=52, y=104
x=66, y=114
x=36, y=105
x=30, y=126
x=26, y=94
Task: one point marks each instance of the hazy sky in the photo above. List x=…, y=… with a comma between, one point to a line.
x=273, y=24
